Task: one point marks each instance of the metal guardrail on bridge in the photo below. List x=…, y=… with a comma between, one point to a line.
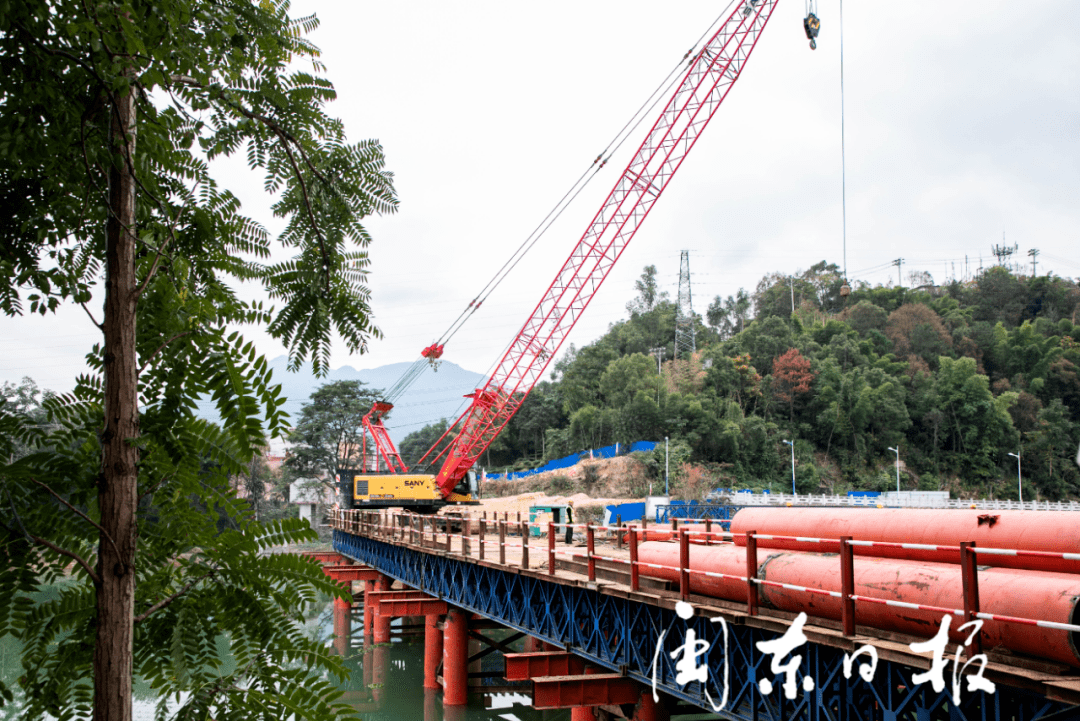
x=889, y=500
x=610, y=622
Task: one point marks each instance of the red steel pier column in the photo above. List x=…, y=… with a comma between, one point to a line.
x=456, y=658
x=647, y=709
x=381, y=624
x=433, y=651
x=342, y=625
x=368, y=612
x=369, y=615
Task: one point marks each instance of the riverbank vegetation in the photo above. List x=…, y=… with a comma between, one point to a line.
x=956, y=376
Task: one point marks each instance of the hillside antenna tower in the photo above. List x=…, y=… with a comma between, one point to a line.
x=1003, y=252
x=684, y=314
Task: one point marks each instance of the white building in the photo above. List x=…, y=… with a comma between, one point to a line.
x=308, y=493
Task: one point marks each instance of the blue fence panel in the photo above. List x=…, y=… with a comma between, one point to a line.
x=692, y=510
x=627, y=511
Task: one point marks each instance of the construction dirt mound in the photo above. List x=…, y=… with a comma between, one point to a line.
x=591, y=484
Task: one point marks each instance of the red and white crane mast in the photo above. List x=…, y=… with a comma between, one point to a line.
x=713, y=71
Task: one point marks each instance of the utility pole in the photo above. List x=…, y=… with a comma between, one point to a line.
x=1034, y=253
x=659, y=353
x=898, y=262
x=1019, y=479
x=897, y=451
x=790, y=443
x=666, y=491
x=684, y=313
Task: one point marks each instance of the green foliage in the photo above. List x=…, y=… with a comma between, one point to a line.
x=329, y=433
x=214, y=611
x=951, y=376
x=559, y=484
x=417, y=443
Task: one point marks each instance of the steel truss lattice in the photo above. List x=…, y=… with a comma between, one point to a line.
x=620, y=634
x=685, y=340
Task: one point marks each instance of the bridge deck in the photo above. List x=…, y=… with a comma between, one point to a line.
x=608, y=622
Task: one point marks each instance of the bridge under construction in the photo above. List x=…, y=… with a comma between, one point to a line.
x=640, y=620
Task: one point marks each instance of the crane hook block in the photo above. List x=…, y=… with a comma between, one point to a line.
x=432, y=352
x=812, y=25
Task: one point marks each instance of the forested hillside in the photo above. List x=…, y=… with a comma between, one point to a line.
x=956, y=377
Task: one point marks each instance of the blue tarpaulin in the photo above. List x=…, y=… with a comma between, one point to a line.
x=626, y=511
x=618, y=449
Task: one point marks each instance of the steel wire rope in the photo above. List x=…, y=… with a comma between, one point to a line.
x=843, y=153
x=414, y=371
x=620, y=138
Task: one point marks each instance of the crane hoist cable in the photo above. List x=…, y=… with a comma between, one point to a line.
x=431, y=354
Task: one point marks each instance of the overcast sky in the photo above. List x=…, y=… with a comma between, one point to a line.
x=962, y=123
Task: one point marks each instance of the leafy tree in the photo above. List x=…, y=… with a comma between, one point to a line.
x=542, y=409
x=417, y=443
x=864, y=316
x=625, y=377
x=647, y=330
x=729, y=316
x=977, y=425
x=648, y=292
x=916, y=330
x=329, y=433
x=113, y=116
x=255, y=481
x=791, y=377
x=24, y=400
x=580, y=372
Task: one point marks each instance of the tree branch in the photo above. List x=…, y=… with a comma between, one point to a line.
x=157, y=485
x=92, y=319
x=169, y=599
x=287, y=140
x=70, y=554
x=310, y=211
x=162, y=347
x=87, y=518
x=49, y=544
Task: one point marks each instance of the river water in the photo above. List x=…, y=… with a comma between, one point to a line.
x=401, y=697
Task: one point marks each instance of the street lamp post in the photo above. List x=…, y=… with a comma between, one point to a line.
x=792, y=467
x=897, y=451
x=1019, y=480
x=666, y=492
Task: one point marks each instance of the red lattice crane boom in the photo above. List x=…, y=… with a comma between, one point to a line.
x=713, y=71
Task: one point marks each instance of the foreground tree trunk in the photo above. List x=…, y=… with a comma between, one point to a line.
x=118, y=488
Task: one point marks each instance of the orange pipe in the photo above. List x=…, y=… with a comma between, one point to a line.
x=1053, y=531
x=1025, y=594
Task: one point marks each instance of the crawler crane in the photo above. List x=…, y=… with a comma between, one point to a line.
x=384, y=480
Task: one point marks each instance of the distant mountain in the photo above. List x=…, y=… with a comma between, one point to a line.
x=435, y=395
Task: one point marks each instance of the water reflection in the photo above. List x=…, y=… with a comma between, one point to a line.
x=387, y=680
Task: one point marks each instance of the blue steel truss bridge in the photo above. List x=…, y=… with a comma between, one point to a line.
x=603, y=613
